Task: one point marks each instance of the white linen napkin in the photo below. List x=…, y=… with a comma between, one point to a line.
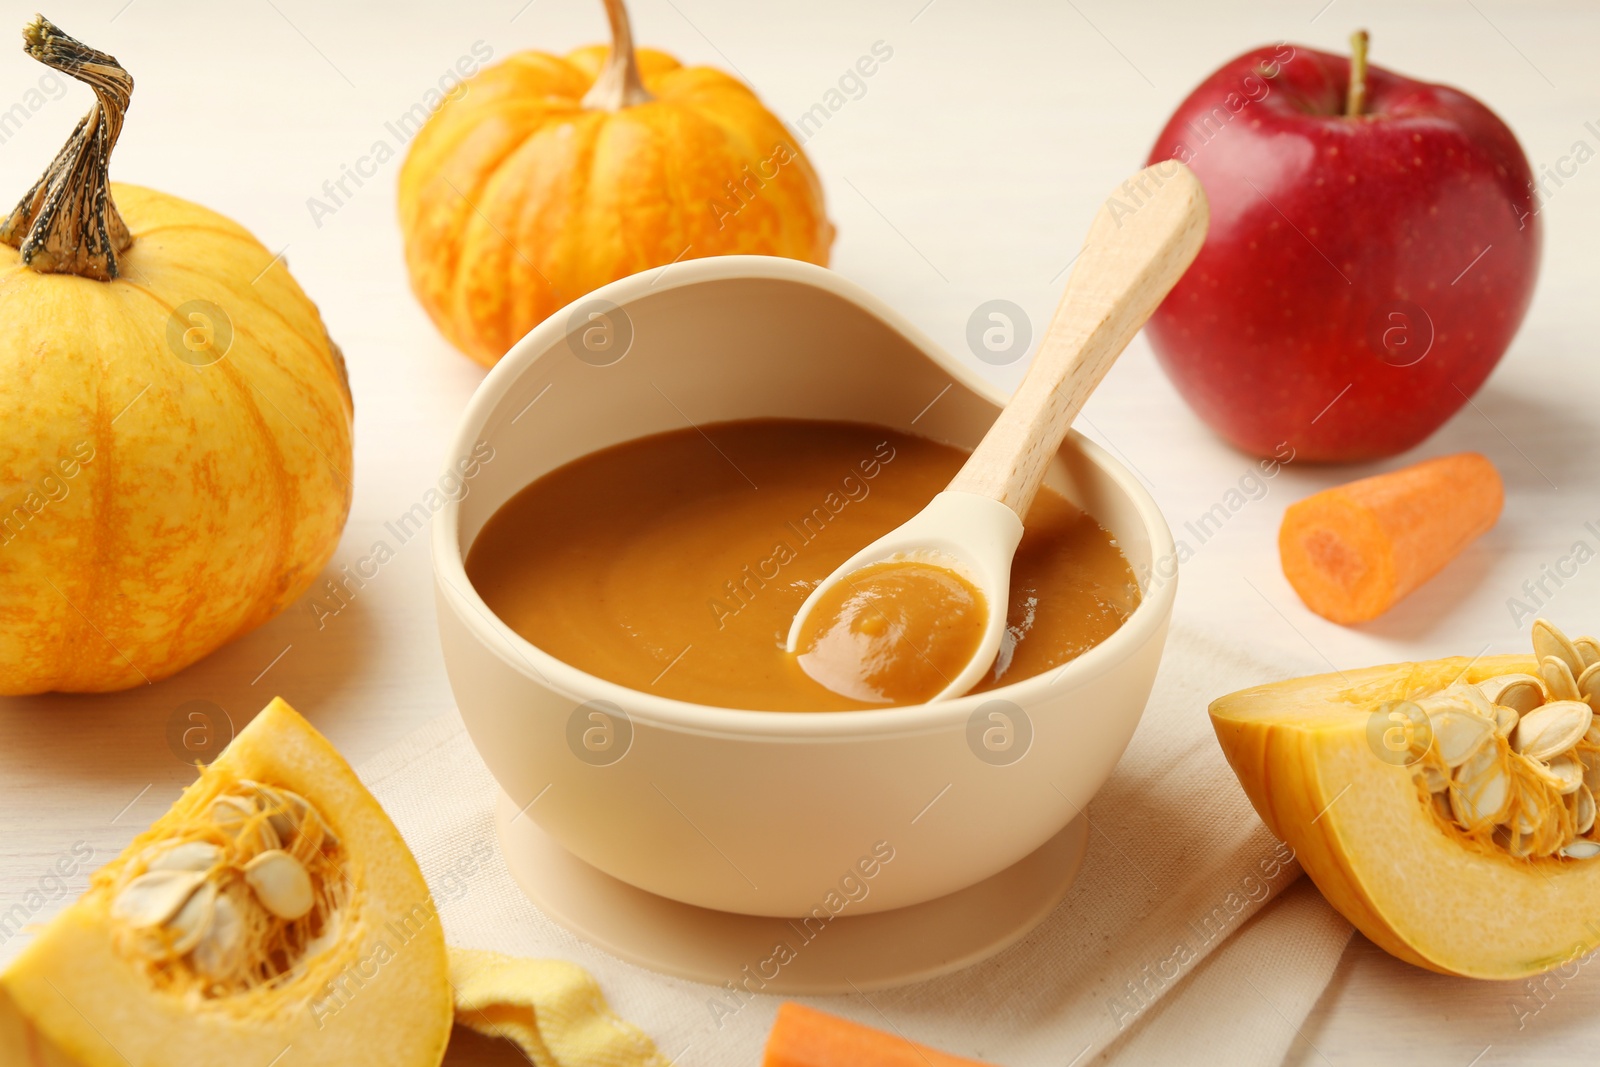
x=1165, y=950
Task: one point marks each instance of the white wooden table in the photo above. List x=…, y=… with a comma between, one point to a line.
x=965, y=169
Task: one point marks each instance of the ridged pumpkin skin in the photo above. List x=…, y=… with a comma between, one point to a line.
x=202, y=500
x=378, y=994
x=1360, y=828
x=515, y=200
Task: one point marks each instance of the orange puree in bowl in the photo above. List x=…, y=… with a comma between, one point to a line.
x=894, y=632
x=674, y=564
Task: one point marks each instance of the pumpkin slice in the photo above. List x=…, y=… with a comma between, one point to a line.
x=1439, y=823
x=273, y=907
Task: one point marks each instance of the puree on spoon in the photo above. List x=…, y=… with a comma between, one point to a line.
x=894, y=632
x=673, y=564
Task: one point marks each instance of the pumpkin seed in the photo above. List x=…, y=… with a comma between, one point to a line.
x=1520, y=837
x=1582, y=805
x=1433, y=779
x=286, y=811
x=243, y=821
x=281, y=884
x=193, y=919
x=1550, y=839
x=1591, y=769
x=186, y=856
x=294, y=820
x=1505, y=720
x=1589, y=684
x=1548, y=641
x=155, y=896
x=1474, y=698
x=219, y=952
x=1582, y=850
x=1519, y=845
x=1552, y=729
x=230, y=812
x=1559, y=681
x=1459, y=734
x=1565, y=773
x=1529, y=812
x=1463, y=698
x=1482, y=787
x=1441, y=807
x=1589, y=649
x=1480, y=763
x=1519, y=692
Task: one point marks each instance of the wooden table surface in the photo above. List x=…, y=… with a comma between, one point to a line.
x=965, y=169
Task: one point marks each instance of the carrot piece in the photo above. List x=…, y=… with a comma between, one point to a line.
x=804, y=1037
x=1353, y=551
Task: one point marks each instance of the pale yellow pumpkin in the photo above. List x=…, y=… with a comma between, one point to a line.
x=175, y=423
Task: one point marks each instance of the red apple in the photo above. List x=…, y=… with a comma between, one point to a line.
x=1363, y=272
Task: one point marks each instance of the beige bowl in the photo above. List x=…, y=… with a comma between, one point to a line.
x=759, y=812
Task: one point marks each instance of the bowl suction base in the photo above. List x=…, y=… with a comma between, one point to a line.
x=850, y=954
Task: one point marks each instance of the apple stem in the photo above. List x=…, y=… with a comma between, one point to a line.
x=1356, y=101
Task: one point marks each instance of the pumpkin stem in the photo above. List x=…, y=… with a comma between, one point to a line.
x=67, y=222
x=619, y=84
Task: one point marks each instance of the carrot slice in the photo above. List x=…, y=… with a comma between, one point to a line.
x=1353, y=551
x=804, y=1037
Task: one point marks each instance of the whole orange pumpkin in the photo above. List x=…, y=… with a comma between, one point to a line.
x=549, y=177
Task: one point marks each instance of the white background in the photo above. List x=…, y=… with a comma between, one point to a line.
x=968, y=170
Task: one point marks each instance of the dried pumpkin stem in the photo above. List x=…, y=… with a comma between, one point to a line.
x=619, y=84
x=67, y=222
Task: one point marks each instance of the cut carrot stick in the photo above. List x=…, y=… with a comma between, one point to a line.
x=1352, y=552
x=803, y=1037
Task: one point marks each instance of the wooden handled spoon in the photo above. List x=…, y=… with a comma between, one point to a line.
x=1141, y=241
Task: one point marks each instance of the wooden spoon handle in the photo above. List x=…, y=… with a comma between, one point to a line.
x=1143, y=238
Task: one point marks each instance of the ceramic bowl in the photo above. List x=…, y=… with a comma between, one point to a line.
x=759, y=812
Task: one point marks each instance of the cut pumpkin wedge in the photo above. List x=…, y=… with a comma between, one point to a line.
x=273, y=911
x=1444, y=891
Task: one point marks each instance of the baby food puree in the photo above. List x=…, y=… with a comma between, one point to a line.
x=674, y=564
x=893, y=632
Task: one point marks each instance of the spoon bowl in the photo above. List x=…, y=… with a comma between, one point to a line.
x=973, y=535
x=1132, y=257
